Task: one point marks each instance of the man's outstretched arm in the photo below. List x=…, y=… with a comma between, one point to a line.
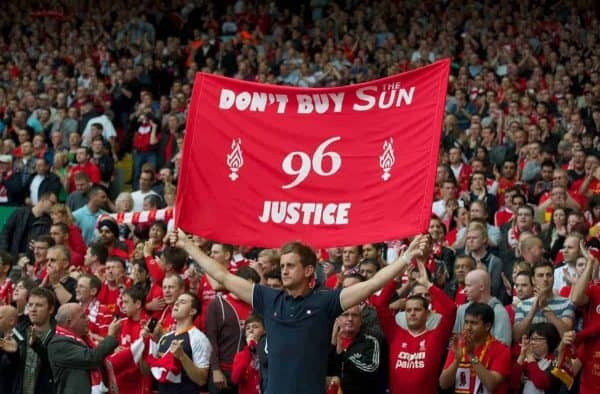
x=238, y=286
x=354, y=295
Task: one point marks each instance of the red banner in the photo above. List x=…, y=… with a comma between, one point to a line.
x=265, y=164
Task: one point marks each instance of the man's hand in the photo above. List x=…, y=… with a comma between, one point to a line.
x=541, y=300
x=149, y=248
x=416, y=247
x=570, y=279
x=219, y=379
x=507, y=284
x=423, y=278
x=469, y=345
x=335, y=332
x=590, y=259
x=568, y=339
x=114, y=328
x=179, y=239
x=9, y=345
x=157, y=304
x=176, y=349
x=457, y=348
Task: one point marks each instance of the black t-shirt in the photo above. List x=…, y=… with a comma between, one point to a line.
x=70, y=284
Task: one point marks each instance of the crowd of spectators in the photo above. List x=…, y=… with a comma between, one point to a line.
x=93, y=103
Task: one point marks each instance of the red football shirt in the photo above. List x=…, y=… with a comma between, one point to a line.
x=497, y=359
x=589, y=353
x=414, y=359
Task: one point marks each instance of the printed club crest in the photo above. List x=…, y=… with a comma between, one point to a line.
x=235, y=159
x=387, y=159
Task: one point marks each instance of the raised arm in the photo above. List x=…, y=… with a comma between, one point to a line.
x=578, y=292
x=238, y=286
x=354, y=295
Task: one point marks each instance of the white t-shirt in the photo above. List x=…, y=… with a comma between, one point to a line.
x=138, y=199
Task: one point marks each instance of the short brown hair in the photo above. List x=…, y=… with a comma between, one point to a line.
x=307, y=256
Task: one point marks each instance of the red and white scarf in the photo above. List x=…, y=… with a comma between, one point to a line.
x=98, y=386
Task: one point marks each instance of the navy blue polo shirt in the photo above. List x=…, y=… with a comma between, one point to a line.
x=298, y=337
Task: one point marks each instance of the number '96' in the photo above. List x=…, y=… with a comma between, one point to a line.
x=307, y=163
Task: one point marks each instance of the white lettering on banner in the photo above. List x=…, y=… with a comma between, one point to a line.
x=255, y=101
x=319, y=103
x=305, y=213
x=316, y=161
x=410, y=360
x=387, y=98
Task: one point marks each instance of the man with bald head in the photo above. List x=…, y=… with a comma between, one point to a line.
x=74, y=360
x=9, y=357
x=478, y=290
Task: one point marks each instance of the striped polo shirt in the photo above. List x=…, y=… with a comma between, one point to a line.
x=561, y=306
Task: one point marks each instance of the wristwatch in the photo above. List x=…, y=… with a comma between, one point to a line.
x=474, y=360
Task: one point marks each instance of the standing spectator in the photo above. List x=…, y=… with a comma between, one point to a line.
x=535, y=362
x=208, y=287
x=545, y=307
x=60, y=234
x=477, y=247
x=9, y=356
x=86, y=293
x=145, y=143
x=586, y=293
x=115, y=282
x=87, y=216
x=42, y=181
x=477, y=361
x=128, y=377
x=246, y=371
x=83, y=164
x=63, y=286
x=299, y=300
x=75, y=361
x=6, y=285
x=456, y=287
x=225, y=319
x=478, y=290
x=566, y=270
x=35, y=373
x=187, y=347
x=80, y=196
x=416, y=345
x=26, y=224
x=61, y=214
x=146, y=181
x=11, y=184
x=103, y=158
x=354, y=357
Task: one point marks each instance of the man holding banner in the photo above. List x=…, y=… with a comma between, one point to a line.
x=299, y=319
x=339, y=166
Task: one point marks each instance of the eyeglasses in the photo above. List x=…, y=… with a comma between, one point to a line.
x=537, y=339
